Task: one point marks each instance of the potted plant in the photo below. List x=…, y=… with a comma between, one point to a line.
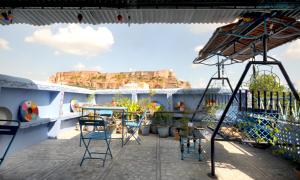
x=164, y=119
x=145, y=128
x=297, y=169
x=183, y=126
x=153, y=109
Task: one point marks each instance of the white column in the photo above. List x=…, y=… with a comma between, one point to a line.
x=134, y=97
x=170, y=101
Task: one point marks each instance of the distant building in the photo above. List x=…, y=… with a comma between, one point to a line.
x=124, y=80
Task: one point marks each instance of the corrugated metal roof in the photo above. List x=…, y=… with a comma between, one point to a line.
x=137, y=16
x=46, y=16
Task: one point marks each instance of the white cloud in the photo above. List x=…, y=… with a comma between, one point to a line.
x=203, y=28
x=82, y=67
x=195, y=66
x=74, y=39
x=131, y=69
x=292, y=51
x=297, y=84
x=198, y=48
x=79, y=66
x=200, y=84
x=4, y=44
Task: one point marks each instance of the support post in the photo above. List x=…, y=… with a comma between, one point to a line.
x=287, y=78
x=223, y=117
x=205, y=92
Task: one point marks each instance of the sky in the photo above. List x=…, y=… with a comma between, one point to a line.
x=37, y=52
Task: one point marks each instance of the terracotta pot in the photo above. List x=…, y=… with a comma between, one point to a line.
x=173, y=131
x=177, y=136
x=297, y=172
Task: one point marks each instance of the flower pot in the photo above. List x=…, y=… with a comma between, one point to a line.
x=111, y=127
x=262, y=145
x=163, y=131
x=297, y=172
x=153, y=128
x=173, y=131
x=145, y=129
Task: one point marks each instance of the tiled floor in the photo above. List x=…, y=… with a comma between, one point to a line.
x=156, y=158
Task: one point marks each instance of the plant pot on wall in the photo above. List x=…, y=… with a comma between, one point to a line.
x=153, y=128
x=145, y=129
x=163, y=131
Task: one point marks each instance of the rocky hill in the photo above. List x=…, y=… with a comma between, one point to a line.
x=137, y=79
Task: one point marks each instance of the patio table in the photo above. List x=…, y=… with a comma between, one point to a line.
x=193, y=140
x=123, y=110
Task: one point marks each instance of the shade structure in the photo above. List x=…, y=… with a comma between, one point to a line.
x=242, y=40
x=45, y=12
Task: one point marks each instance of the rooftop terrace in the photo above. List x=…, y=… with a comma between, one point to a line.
x=157, y=158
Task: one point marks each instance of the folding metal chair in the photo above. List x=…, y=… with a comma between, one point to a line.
x=99, y=132
x=8, y=128
x=133, y=127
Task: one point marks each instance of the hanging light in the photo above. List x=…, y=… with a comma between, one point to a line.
x=119, y=18
x=7, y=16
x=129, y=20
x=79, y=17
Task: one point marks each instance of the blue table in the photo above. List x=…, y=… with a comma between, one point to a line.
x=123, y=110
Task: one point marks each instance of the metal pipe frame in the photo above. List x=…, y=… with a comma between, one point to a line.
x=287, y=78
x=205, y=92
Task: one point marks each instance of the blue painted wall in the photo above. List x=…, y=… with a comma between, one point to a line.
x=81, y=98
x=190, y=100
x=107, y=98
x=46, y=101
x=160, y=98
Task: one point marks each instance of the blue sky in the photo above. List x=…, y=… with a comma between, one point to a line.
x=38, y=52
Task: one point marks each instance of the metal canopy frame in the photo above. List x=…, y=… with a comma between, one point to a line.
x=218, y=78
x=243, y=39
x=263, y=62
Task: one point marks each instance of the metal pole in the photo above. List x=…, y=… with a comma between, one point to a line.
x=290, y=84
x=202, y=97
x=288, y=80
x=265, y=48
x=232, y=97
x=265, y=40
x=219, y=73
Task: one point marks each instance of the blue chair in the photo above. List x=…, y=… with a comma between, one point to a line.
x=99, y=132
x=133, y=127
x=8, y=128
x=106, y=113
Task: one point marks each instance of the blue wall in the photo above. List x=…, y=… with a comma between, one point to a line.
x=160, y=98
x=12, y=98
x=107, y=98
x=81, y=98
x=190, y=100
